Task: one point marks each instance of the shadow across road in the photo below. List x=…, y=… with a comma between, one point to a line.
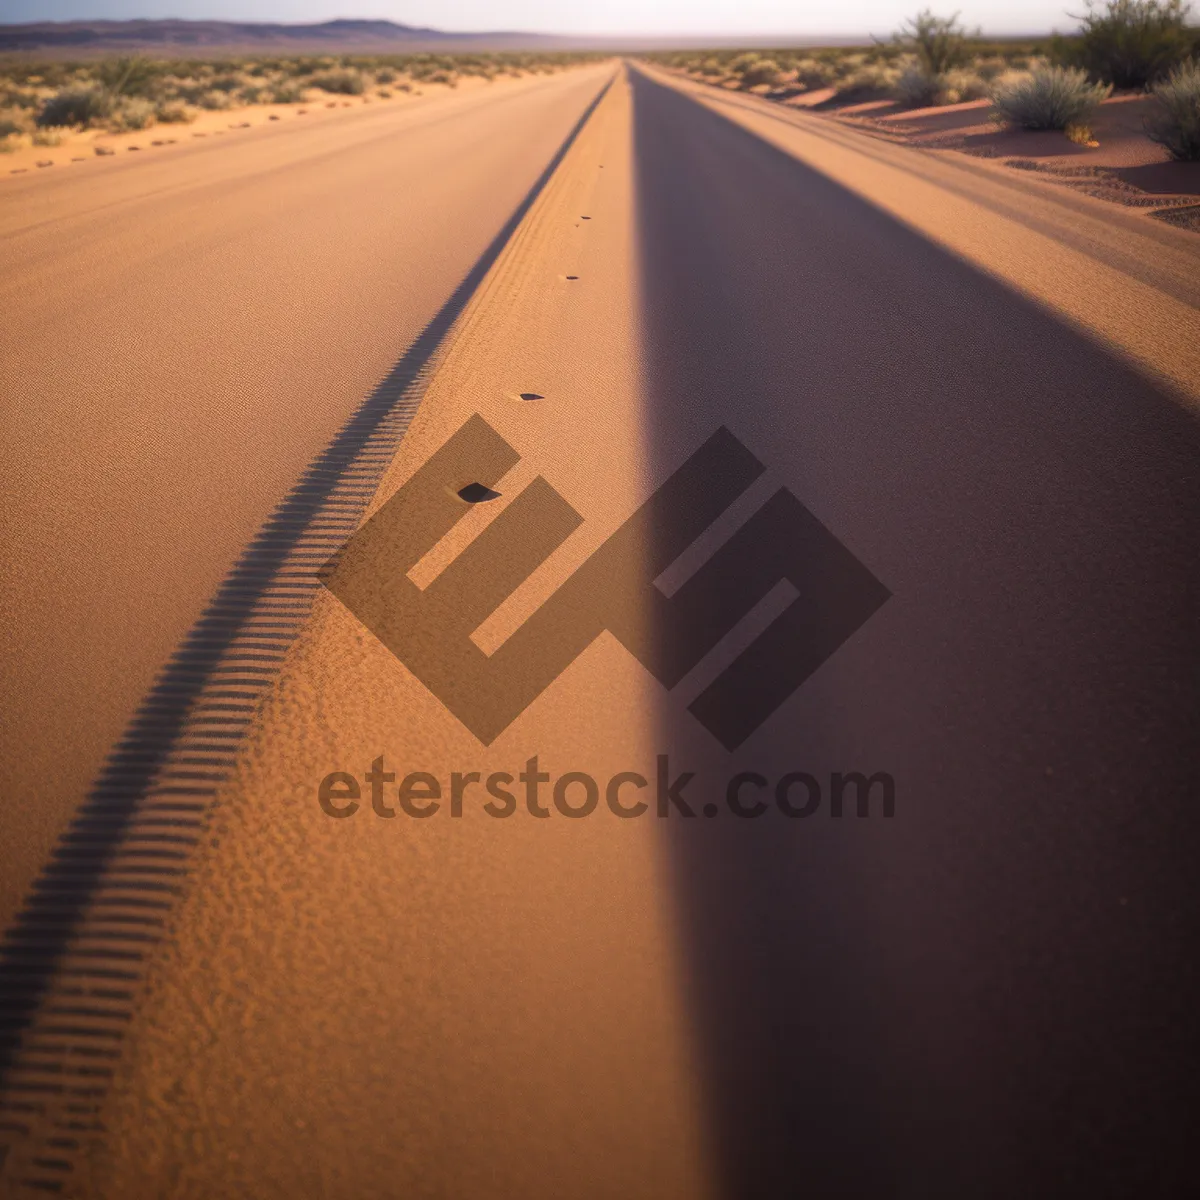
x=991, y=993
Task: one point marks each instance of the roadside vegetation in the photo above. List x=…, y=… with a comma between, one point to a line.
x=1175, y=122
x=1052, y=98
x=42, y=100
x=931, y=60
x=1130, y=43
x=1050, y=83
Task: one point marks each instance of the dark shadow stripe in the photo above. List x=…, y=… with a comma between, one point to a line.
x=1005, y=197
x=992, y=995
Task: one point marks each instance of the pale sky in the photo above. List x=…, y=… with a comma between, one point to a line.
x=581, y=16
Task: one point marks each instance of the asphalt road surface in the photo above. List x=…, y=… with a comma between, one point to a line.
x=182, y=336
x=953, y=516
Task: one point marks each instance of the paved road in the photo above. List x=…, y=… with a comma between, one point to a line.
x=182, y=335
x=986, y=389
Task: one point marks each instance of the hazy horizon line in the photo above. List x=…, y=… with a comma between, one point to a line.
x=542, y=32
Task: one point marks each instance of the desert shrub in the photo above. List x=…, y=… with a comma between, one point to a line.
x=50, y=136
x=127, y=75
x=18, y=98
x=443, y=77
x=939, y=43
x=1049, y=98
x=385, y=76
x=917, y=88
x=132, y=112
x=990, y=67
x=189, y=92
x=1129, y=43
x=762, y=70
x=743, y=62
x=961, y=85
x=345, y=82
x=1006, y=80
x=810, y=73
x=9, y=129
x=226, y=83
x=76, y=106
x=213, y=100
x=868, y=83
x=288, y=93
x=1175, y=122
x=172, y=112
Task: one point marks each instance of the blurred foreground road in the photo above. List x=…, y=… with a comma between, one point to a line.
x=986, y=389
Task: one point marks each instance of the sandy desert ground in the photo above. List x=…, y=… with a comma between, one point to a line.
x=86, y=146
x=1120, y=163
x=984, y=385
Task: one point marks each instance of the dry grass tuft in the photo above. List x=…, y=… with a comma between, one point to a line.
x=1176, y=120
x=113, y=93
x=1050, y=98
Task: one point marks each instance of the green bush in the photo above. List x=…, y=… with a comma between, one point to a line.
x=128, y=75
x=287, y=93
x=171, y=112
x=990, y=67
x=742, y=62
x=762, y=70
x=1050, y=98
x=131, y=113
x=961, y=85
x=213, y=101
x=16, y=98
x=810, y=73
x=1129, y=43
x=874, y=82
x=76, y=106
x=916, y=88
x=342, y=83
x=940, y=43
x=1175, y=123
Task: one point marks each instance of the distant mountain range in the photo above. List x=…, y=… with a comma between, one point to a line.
x=182, y=37
x=87, y=39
